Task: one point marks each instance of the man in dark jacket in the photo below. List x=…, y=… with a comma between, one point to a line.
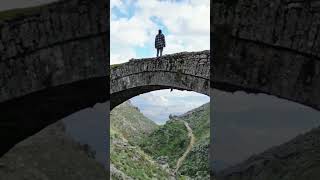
x=160, y=43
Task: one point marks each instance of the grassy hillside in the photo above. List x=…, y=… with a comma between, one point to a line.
x=141, y=149
x=196, y=164
x=171, y=140
x=128, y=121
x=129, y=126
x=132, y=161
x=168, y=142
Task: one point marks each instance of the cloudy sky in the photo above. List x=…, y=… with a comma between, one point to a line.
x=186, y=26
x=134, y=24
x=158, y=105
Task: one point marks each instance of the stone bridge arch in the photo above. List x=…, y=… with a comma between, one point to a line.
x=259, y=46
x=49, y=57
x=265, y=46
x=185, y=71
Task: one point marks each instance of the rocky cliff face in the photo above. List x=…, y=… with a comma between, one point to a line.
x=51, y=45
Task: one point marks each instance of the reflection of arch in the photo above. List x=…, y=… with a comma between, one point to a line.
x=53, y=63
x=184, y=71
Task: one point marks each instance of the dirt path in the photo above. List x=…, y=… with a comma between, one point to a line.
x=192, y=140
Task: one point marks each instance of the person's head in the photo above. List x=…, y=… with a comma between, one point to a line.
x=160, y=31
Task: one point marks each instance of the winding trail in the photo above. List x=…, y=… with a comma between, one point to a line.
x=192, y=141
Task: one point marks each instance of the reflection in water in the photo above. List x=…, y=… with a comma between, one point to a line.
x=247, y=124
x=89, y=126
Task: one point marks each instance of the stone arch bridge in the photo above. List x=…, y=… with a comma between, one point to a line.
x=58, y=53
x=185, y=71
x=267, y=46
x=53, y=62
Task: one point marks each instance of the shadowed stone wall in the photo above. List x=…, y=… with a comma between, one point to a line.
x=273, y=47
x=268, y=46
x=53, y=45
x=53, y=62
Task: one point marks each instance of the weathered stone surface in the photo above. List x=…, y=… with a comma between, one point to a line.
x=53, y=62
x=273, y=47
x=57, y=44
x=186, y=71
x=24, y=116
x=267, y=46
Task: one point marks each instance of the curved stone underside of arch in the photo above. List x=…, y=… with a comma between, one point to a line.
x=53, y=63
x=56, y=44
x=272, y=47
x=185, y=71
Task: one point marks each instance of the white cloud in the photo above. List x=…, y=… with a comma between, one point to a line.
x=188, y=23
x=158, y=105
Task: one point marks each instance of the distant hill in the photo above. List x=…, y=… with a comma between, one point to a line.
x=127, y=120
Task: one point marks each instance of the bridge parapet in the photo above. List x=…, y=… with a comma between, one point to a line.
x=192, y=63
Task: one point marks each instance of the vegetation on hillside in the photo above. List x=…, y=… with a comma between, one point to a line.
x=132, y=161
x=171, y=140
x=168, y=142
x=128, y=126
x=130, y=122
x=140, y=149
x=196, y=164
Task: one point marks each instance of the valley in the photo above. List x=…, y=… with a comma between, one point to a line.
x=141, y=149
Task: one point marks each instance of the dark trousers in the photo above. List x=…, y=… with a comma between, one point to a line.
x=159, y=50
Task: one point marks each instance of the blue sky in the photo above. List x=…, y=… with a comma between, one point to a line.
x=186, y=26
x=134, y=24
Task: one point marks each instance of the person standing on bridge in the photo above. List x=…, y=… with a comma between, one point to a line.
x=159, y=43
